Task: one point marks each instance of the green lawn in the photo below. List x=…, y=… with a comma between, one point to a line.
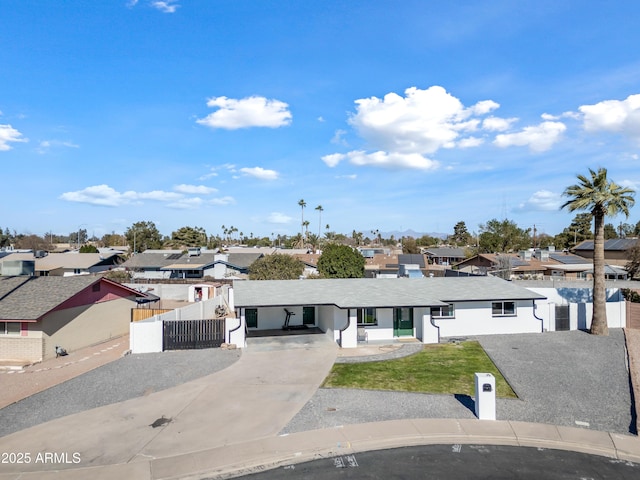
x=443, y=368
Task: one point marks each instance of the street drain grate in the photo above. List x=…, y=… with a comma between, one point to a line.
x=160, y=422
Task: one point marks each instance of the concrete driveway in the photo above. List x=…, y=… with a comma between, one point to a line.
x=254, y=398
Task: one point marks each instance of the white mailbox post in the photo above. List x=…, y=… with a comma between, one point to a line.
x=485, y=396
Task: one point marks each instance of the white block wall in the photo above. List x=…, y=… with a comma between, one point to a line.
x=145, y=336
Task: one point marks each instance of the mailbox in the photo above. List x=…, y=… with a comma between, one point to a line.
x=485, y=396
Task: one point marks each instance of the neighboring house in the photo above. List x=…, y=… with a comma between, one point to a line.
x=61, y=264
x=195, y=264
x=538, y=264
x=411, y=265
x=39, y=313
x=426, y=308
x=616, y=250
x=310, y=261
x=444, y=255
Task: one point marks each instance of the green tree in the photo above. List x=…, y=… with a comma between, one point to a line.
x=189, y=237
x=142, y=236
x=340, y=261
x=461, y=235
x=276, y=267
x=302, y=204
x=31, y=242
x=601, y=197
x=578, y=231
x=5, y=238
x=409, y=245
x=502, y=237
x=112, y=239
x=633, y=265
x=320, y=210
x=610, y=231
x=88, y=249
x=79, y=237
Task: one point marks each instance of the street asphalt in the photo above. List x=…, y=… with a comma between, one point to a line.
x=453, y=462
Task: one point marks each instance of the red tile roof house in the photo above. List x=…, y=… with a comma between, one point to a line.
x=39, y=313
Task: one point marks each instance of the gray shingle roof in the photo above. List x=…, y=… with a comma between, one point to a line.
x=379, y=292
x=162, y=260
x=29, y=298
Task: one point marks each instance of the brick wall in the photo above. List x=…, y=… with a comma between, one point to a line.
x=20, y=348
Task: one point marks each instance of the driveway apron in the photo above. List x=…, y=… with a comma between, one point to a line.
x=252, y=399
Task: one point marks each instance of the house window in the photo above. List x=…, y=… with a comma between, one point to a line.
x=443, y=312
x=367, y=317
x=251, y=317
x=503, y=309
x=10, y=328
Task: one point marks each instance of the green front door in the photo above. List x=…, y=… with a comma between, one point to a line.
x=403, y=322
x=308, y=315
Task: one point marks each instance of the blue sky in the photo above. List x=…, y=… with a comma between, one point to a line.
x=391, y=115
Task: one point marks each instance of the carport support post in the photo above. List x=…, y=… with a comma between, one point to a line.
x=349, y=334
x=485, y=396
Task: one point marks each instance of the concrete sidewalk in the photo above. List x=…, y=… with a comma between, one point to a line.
x=19, y=383
x=274, y=451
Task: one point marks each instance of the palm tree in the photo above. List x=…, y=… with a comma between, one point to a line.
x=305, y=224
x=302, y=204
x=320, y=210
x=601, y=197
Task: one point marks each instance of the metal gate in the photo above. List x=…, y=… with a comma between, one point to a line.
x=562, y=318
x=192, y=334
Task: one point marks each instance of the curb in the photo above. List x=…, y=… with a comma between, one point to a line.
x=265, y=454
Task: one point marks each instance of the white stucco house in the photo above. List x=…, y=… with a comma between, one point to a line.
x=385, y=309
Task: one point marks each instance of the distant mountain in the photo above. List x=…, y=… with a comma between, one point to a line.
x=411, y=233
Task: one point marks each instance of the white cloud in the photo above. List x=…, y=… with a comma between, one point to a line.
x=46, y=145
x=423, y=121
x=279, y=218
x=496, y=124
x=614, y=116
x=338, y=137
x=223, y=201
x=194, y=189
x=542, y=200
x=232, y=114
x=382, y=159
x=168, y=6
x=186, y=203
x=9, y=134
x=353, y=176
x=470, y=142
x=538, y=138
x=634, y=184
x=107, y=196
x=261, y=173
x=157, y=195
x=483, y=107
